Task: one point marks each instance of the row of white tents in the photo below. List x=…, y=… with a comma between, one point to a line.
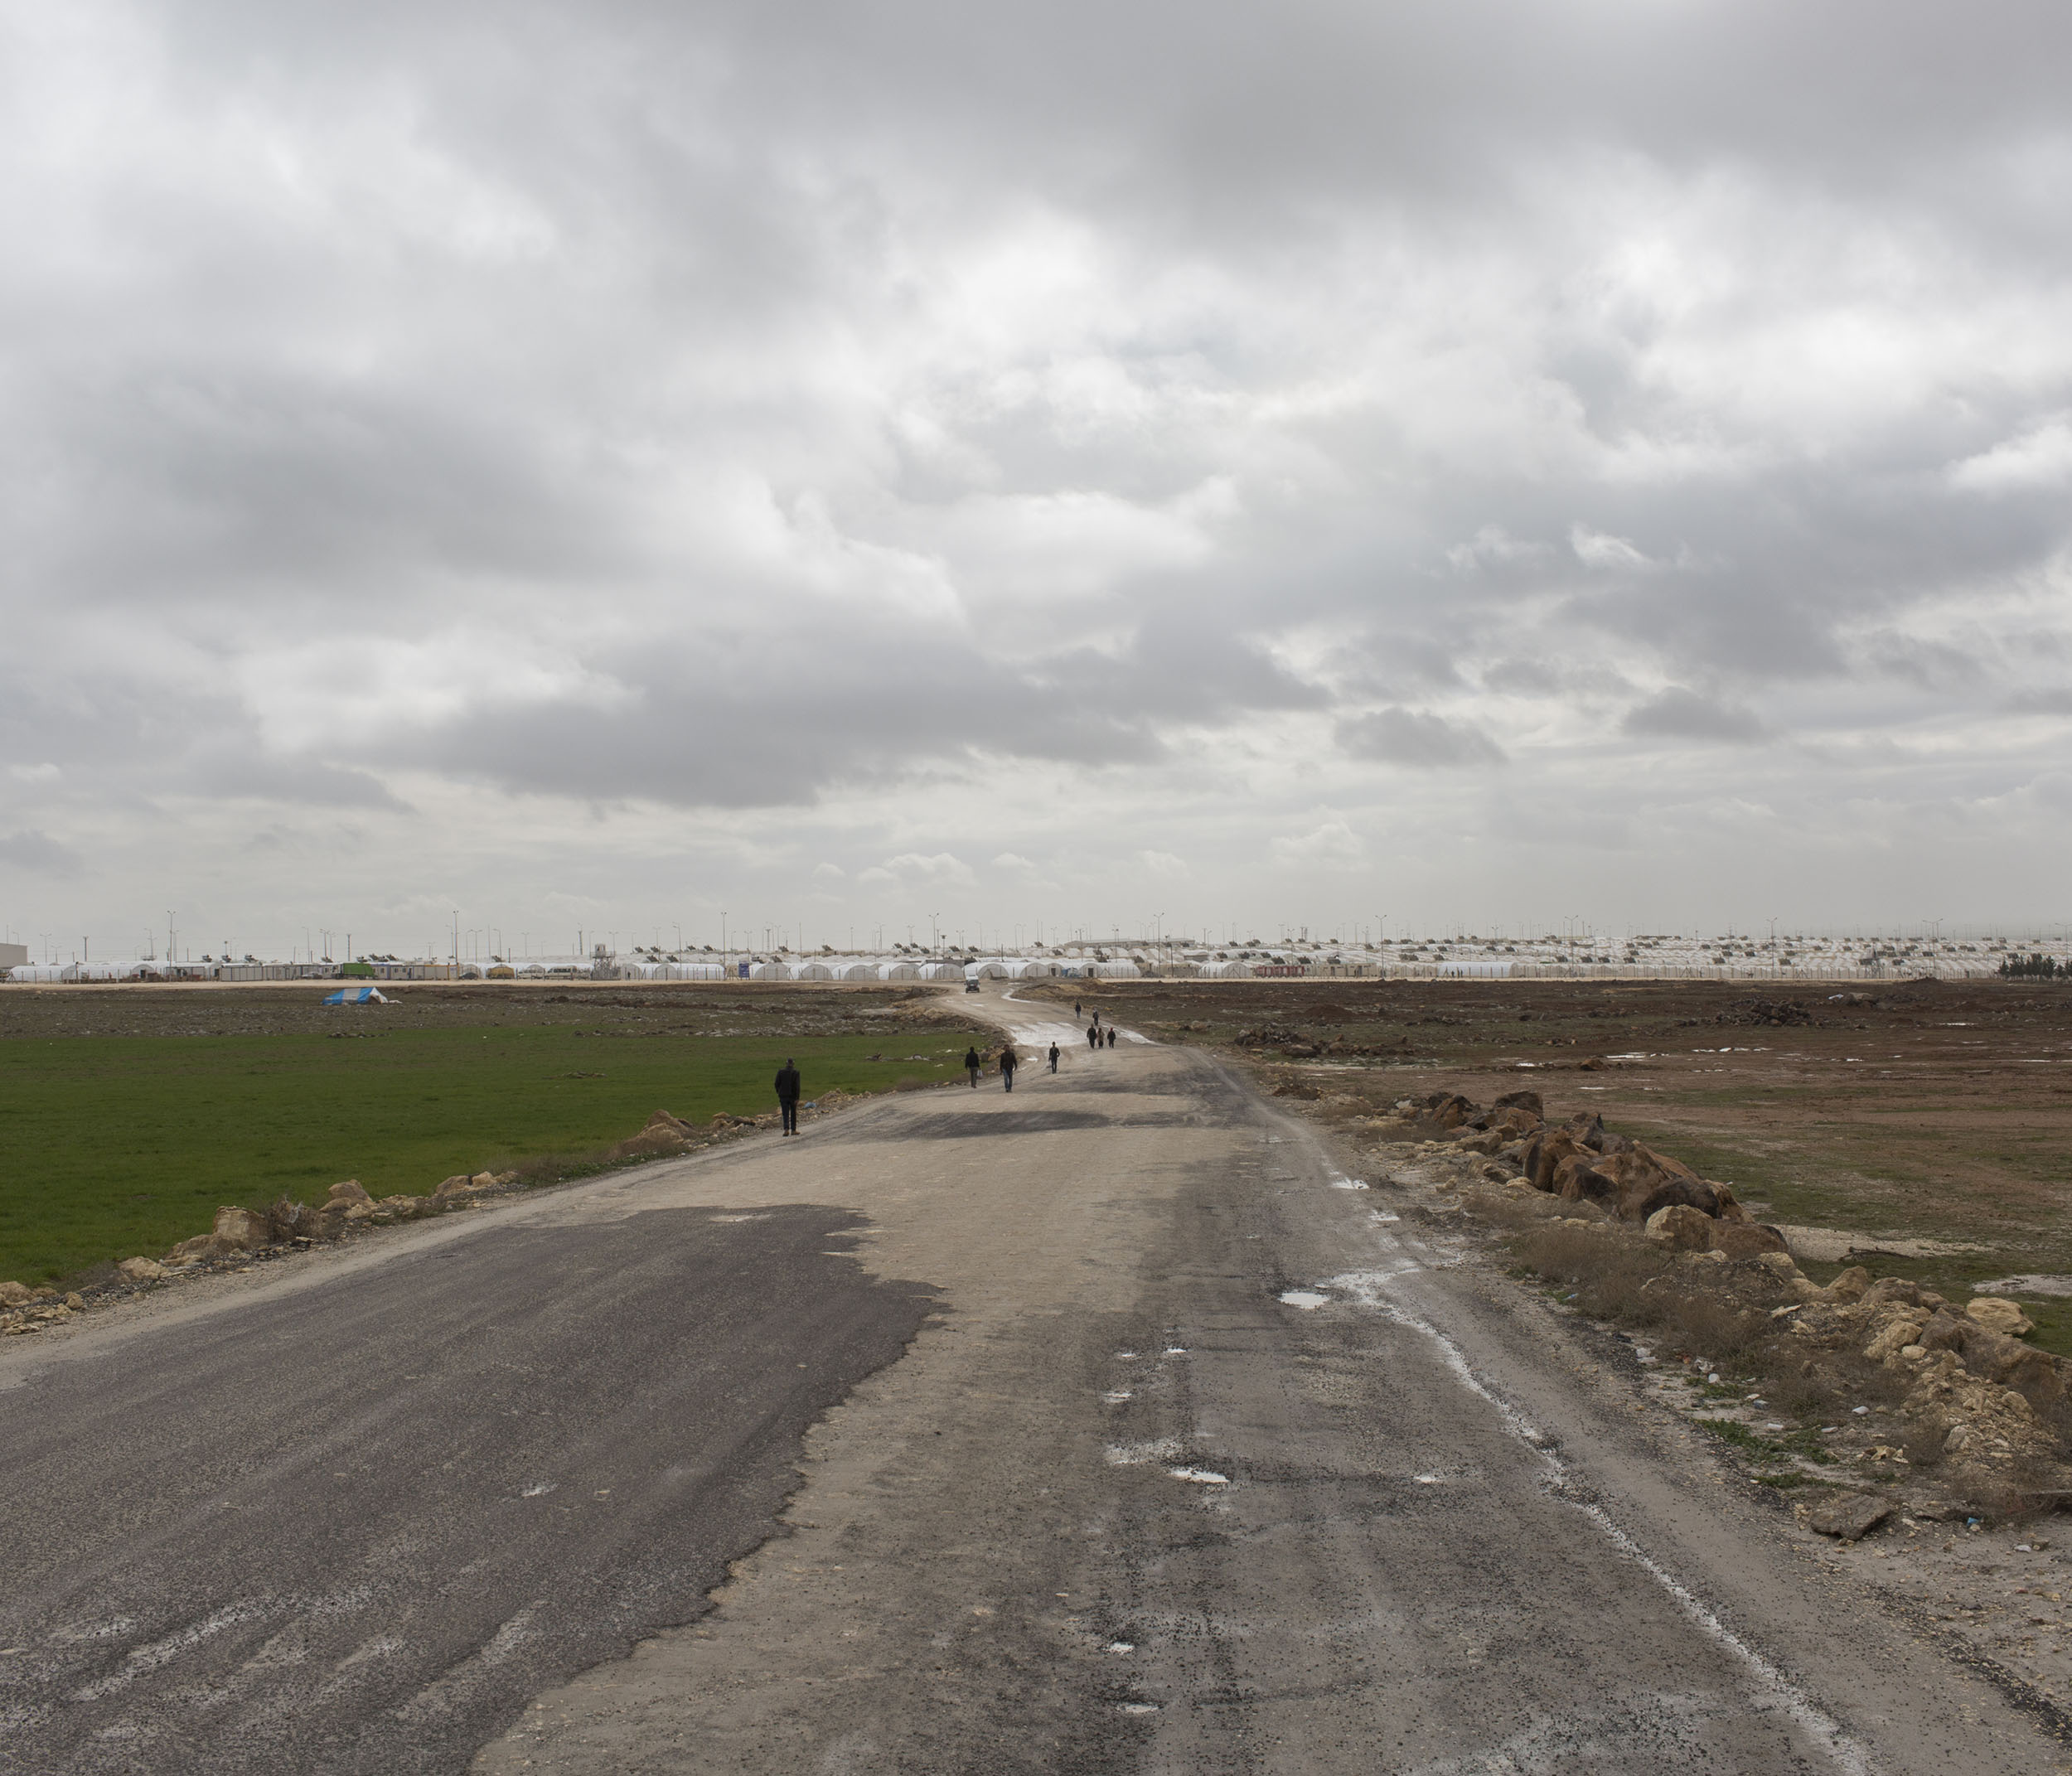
x=757, y=968
x=900, y=968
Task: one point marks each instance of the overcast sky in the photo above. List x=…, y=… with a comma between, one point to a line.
x=591, y=465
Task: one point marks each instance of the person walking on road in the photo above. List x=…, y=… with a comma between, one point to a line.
x=1093, y=1037
x=1111, y=1036
x=1008, y=1062
x=1053, y=1057
x=787, y=1091
x=971, y=1066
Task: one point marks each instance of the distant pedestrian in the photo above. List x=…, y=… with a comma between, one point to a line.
x=971, y=1066
x=787, y=1091
x=1008, y=1060
x=1053, y=1057
x=1075, y=1008
x=1111, y=1036
x=1093, y=1037
x=1096, y=1017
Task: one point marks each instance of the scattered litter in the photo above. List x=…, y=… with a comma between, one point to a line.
x=1116, y=1396
x=1429, y=1479
x=1859, y=1410
x=1308, y=1300
x=1383, y=1216
x=539, y=1489
x=1126, y=1356
x=1176, y=1350
x=1348, y=1183
x=1200, y=1476
x=1121, y=1646
x=1139, y=1708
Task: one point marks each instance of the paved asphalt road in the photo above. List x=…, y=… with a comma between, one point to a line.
x=1119, y=1506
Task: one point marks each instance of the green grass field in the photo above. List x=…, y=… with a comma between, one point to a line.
x=114, y=1145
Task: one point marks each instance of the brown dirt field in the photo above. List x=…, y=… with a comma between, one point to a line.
x=1918, y=1109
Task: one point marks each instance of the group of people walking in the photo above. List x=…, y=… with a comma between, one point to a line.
x=1098, y=1036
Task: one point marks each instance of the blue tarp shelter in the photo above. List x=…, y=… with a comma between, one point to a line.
x=356, y=996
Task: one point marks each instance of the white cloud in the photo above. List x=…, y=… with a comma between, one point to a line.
x=1594, y=548
x=1164, y=863
x=2040, y=457
x=826, y=434
x=1333, y=845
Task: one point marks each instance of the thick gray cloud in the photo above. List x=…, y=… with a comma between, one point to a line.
x=619, y=459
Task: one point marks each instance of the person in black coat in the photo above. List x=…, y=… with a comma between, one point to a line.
x=787, y=1091
x=971, y=1066
x=1008, y=1061
x=1053, y=1057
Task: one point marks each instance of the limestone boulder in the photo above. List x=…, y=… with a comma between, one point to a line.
x=1747, y=1240
x=1681, y=1228
x=1648, y=1181
x=1528, y=1101
x=1452, y=1110
x=1851, y=1285
x=200, y=1246
x=350, y=1191
x=1895, y=1329
x=142, y=1270
x=1581, y=1178
x=1543, y=1158
x=16, y=1295
x=240, y=1230
x=1996, y=1313
x=1850, y=1517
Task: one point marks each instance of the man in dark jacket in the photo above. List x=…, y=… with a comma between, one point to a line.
x=787, y=1091
x=1009, y=1059
x=1053, y=1057
x=972, y=1065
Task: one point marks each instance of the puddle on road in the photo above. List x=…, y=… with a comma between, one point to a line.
x=1308, y=1300
x=1349, y=1184
x=1200, y=1476
x=1116, y=1396
x=539, y=1489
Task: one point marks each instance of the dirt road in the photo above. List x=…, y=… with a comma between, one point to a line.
x=1201, y=1458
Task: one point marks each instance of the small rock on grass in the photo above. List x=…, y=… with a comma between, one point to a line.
x=1849, y=1518
x=1996, y=1313
x=142, y=1270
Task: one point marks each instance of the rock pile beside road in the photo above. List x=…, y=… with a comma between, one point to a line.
x=1945, y=1412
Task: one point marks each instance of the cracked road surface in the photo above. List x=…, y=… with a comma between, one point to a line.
x=1199, y=1458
